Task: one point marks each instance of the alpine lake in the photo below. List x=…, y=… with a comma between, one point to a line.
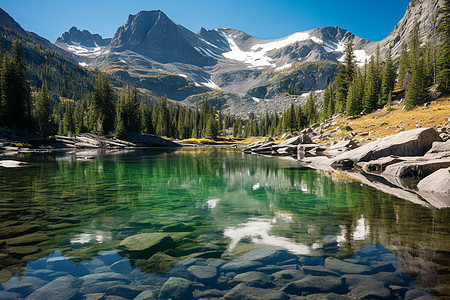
x=210, y=223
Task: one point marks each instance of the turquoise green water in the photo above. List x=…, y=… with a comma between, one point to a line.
x=216, y=203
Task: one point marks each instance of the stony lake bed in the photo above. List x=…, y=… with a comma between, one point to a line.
x=210, y=223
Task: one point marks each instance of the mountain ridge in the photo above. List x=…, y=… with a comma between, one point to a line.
x=160, y=55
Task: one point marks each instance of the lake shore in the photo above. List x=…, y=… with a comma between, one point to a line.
x=402, y=164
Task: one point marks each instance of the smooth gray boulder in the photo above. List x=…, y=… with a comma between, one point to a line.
x=416, y=168
x=415, y=142
x=126, y=291
x=341, y=147
x=437, y=182
x=314, y=285
x=366, y=287
x=144, y=245
x=60, y=288
x=282, y=277
x=267, y=255
x=440, y=147
x=379, y=165
x=253, y=278
x=147, y=295
x=297, y=140
x=177, y=288
x=203, y=273
x=242, y=291
x=344, y=267
x=240, y=266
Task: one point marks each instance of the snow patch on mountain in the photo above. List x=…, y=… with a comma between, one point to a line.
x=81, y=50
x=211, y=84
x=286, y=66
x=253, y=58
x=258, y=54
x=281, y=43
x=360, y=57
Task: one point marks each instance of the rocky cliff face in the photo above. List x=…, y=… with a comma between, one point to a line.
x=424, y=12
x=85, y=38
x=153, y=34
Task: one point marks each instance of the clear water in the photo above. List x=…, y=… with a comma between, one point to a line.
x=217, y=205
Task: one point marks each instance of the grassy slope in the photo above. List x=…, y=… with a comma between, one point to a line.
x=382, y=122
x=379, y=124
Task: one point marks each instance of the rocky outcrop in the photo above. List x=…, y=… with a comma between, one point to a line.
x=436, y=188
x=385, y=162
x=420, y=11
x=299, y=146
x=416, y=168
x=438, y=182
x=414, y=142
x=15, y=140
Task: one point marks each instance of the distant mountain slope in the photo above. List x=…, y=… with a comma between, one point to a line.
x=45, y=61
x=150, y=46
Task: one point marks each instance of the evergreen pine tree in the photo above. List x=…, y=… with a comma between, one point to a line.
x=372, y=87
x=355, y=95
x=162, y=125
x=310, y=108
x=15, y=96
x=416, y=92
x=344, y=78
x=404, y=75
x=103, y=106
x=42, y=112
x=388, y=81
x=443, y=50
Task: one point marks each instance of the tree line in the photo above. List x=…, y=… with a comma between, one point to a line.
x=103, y=111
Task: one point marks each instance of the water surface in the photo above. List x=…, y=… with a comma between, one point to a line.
x=217, y=205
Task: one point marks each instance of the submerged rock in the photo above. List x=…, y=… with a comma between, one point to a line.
x=242, y=291
x=60, y=288
x=280, y=278
x=158, y=263
x=126, y=291
x=145, y=245
x=240, y=266
x=315, y=284
x=27, y=239
x=203, y=273
x=255, y=279
x=17, y=230
x=344, y=267
x=177, y=288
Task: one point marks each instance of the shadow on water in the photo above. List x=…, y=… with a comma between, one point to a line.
x=214, y=203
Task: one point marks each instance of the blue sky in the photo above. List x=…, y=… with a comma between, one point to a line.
x=265, y=19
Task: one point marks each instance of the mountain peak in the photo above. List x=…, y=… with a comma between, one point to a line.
x=153, y=34
x=83, y=37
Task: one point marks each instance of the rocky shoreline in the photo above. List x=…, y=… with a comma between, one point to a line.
x=13, y=141
x=413, y=165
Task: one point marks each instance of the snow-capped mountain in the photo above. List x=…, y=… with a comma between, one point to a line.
x=150, y=46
